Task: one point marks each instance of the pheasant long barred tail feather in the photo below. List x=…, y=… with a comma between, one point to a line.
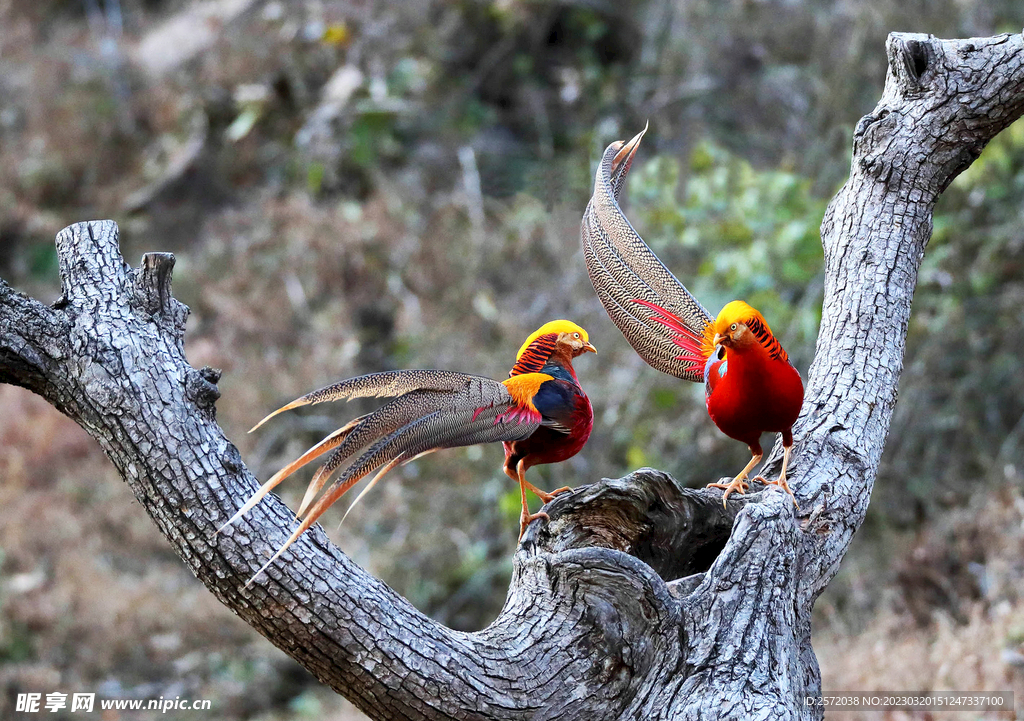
x=371, y=428
x=419, y=392
x=618, y=288
x=658, y=350
x=624, y=269
x=460, y=424
x=454, y=420
x=334, y=440
x=387, y=384
x=348, y=439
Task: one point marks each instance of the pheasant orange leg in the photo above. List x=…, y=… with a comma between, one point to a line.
x=739, y=483
x=787, y=448
x=525, y=517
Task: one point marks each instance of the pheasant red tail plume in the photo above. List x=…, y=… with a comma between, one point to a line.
x=697, y=348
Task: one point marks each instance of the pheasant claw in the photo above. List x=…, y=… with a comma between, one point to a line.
x=781, y=483
x=737, y=484
x=527, y=518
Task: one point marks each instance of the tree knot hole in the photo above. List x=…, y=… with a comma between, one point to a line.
x=675, y=530
x=917, y=53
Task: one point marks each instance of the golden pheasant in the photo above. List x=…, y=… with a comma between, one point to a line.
x=750, y=386
x=540, y=414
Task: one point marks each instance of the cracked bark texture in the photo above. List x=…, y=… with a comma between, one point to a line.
x=640, y=599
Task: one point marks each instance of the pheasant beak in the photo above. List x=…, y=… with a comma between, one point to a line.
x=589, y=347
x=719, y=339
x=623, y=158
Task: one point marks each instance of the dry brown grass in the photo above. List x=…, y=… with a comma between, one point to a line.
x=968, y=638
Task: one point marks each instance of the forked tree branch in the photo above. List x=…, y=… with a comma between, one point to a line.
x=640, y=599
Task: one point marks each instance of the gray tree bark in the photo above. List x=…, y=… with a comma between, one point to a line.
x=640, y=599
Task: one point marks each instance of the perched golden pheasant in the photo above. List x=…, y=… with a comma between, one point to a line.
x=750, y=386
x=539, y=413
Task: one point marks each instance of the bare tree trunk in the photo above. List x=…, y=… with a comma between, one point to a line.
x=640, y=599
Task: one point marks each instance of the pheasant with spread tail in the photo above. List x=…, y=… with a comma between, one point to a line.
x=540, y=414
x=750, y=386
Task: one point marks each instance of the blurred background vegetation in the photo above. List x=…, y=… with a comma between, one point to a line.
x=356, y=186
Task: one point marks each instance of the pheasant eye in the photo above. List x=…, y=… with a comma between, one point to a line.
x=733, y=327
x=575, y=335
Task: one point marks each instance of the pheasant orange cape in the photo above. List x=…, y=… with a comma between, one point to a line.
x=750, y=386
x=540, y=414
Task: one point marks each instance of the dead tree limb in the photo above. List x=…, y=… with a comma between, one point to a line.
x=640, y=599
